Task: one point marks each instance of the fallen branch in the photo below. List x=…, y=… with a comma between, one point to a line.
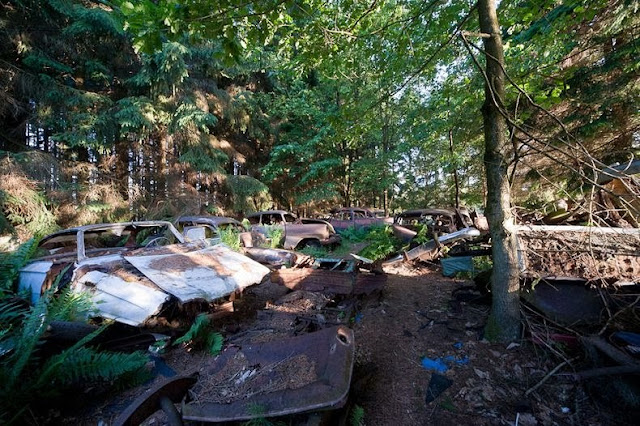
x=549, y=375
x=611, y=351
x=606, y=371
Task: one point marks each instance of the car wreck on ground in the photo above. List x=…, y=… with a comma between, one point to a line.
x=356, y=217
x=138, y=272
x=207, y=227
x=296, y=233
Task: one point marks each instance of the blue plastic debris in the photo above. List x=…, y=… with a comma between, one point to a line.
x=434, y=364
x=463, y=361
x=458, y=345
x=358, y=317
x=444, y=363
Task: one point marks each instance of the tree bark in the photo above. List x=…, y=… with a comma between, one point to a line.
x=455, y=171
x=504, y=321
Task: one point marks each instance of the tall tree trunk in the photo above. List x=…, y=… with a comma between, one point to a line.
x=455, y=171
x=504, y=321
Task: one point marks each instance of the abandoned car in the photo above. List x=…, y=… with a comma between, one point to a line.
x=348, y=217
x=206, y=227
x=137, y=270
x=296, y=233
x=441, y=221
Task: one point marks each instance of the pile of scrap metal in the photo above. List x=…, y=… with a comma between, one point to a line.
x=141, y=274
x=432, y=249
x=445, y=227
x=586, y=252
x=332, y=275
x=306, y=373
x=295, y=356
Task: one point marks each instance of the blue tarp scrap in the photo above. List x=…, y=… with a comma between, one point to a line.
x=442, y=364
x=452, y=265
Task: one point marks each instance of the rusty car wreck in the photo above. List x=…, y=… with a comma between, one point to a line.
x=136, y=270
x=297, y=232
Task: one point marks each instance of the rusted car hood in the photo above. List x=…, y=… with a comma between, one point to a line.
x=208, y=274
x=186, y=271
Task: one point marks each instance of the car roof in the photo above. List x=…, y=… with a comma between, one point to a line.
x=269, y=212
x=212, y=220
x=101, y=226
x=420, y=212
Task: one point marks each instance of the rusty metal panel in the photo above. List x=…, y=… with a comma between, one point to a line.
x=126, y=302
x=208, y=274
x=303, y=373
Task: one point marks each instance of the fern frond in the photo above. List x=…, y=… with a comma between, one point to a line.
x=214, y=343
x=11, y=263
x=12, y=312
x=200, y=334
x=197, y=329
x=82, y=364
x=34, y=326
x=69, y=305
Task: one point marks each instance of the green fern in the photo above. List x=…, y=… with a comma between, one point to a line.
x=11, y=263
x=33, y=328
x=82, y=364
x=199, y=334
x=357, y=416
x=70, y=306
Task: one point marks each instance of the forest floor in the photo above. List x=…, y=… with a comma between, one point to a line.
x=417, y=316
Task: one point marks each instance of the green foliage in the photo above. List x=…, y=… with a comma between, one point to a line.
x=136, y=114
x=231, y=238
x=275, y=234
x=248, y=194
x=200, y=335
x=189, y=115
x=69, y=305
x=354, y=235
x=382, y=242
x=357, y=416
x=204, y=158
x=12, y=262
x=27, y=377
x=258, y=411
x=314, y=251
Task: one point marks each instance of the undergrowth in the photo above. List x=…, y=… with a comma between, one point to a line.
x=26, y=374
x=275, y=234
x=200, y=336
x=11, y=263
x=231, y=238
x=382, y=243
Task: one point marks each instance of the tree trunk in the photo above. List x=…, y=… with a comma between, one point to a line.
x=455, y=171
x=504, y=321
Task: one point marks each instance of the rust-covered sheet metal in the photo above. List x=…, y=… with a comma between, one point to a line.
x=334, y=282
x=208, y=273
x=304, y=373
x=126, y=302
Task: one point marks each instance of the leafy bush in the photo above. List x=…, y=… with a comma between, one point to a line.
x=231, y=238
x=357, y=416
x=315, y=251
x=382, y=243
x=354, y=235
x=274, y=235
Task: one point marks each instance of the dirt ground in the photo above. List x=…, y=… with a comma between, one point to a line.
x=421, y=316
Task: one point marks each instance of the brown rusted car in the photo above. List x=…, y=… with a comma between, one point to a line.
x=356, y=217
x=297, y=232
